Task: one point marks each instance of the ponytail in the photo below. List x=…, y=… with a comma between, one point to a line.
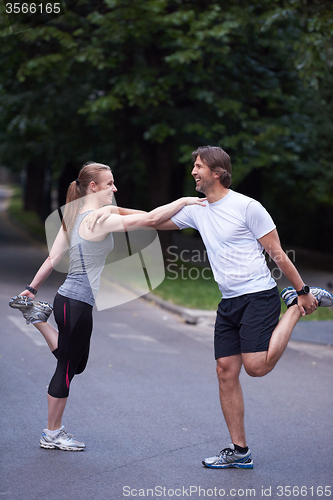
x=72, y=206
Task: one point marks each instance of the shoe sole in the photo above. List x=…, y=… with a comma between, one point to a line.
x=47, y=308
x=230, y=466
x=48, y=446
x=22, y=304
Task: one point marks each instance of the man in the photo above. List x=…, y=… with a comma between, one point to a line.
x=236, y=230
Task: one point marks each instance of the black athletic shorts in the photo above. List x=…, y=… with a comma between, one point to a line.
x=246, y=323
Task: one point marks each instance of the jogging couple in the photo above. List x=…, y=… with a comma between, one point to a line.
x=235, y=229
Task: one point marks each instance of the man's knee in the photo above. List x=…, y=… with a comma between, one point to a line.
x=228, y=368
x=255, y=364
x=256, y=371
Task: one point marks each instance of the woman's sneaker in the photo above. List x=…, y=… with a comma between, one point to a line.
x=229, y=457
x=325, y=299
x=62, y=441
x=33, y=312
x=21, y=302
x=39, y=312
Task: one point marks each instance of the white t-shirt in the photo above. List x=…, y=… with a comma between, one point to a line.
x=230, y=229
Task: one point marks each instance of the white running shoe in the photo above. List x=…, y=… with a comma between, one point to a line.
x=229, y=457
x=62, y=441
x=325, y=298
x=289, y=296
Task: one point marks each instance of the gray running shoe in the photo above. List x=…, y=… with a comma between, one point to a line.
x=39, y=311
x=62, y=441
x=21, y=302
x=229, y=457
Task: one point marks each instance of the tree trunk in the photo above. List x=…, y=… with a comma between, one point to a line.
x=37, y=196
x=251, y=185
x=68, y=175
x=159, y=160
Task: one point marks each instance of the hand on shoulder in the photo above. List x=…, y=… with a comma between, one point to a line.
x=98, y=216
x=194, y=200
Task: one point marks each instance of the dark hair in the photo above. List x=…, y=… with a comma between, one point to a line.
x=217, y=160
x=78, y=188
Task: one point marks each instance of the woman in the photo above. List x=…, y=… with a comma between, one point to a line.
x=93, y=189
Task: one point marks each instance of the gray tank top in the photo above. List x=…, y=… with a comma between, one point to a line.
x=87, y=260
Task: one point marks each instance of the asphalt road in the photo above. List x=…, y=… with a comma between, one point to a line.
x=147, y=407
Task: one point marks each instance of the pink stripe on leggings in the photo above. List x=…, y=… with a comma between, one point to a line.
x=67, y=377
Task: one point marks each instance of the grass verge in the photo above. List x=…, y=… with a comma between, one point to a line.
x=194, y=287
x=28, y=220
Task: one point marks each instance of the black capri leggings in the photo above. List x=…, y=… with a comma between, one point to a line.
x=74, y=320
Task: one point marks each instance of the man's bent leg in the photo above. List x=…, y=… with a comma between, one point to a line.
x=231, y=396
x=258, y=364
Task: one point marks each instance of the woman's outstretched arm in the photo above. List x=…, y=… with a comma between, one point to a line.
x=106, y=224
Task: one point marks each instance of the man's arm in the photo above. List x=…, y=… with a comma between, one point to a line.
x=168, y=225
x=272, y=245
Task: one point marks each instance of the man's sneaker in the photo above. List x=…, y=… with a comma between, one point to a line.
x=62, y=441
x=21, y=302
x=39, y=311
x=289, y=296
x=325, y=299
x=229, y=457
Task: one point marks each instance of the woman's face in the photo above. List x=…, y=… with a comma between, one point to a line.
x=105, y=187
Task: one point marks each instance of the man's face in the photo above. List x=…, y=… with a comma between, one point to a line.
x=203, y=176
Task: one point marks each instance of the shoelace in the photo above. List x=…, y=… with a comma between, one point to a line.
x=226, y=452
x=64, y=433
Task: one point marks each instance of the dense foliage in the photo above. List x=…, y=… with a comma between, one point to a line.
x=139, y=84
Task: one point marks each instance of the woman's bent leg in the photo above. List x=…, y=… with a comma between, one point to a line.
x=49, y=333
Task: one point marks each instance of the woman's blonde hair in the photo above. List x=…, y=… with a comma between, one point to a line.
x=78, y=189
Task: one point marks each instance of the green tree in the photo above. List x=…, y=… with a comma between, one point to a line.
x=139, y=84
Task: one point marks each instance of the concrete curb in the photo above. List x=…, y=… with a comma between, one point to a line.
x=312, y=332
x=190, y=316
